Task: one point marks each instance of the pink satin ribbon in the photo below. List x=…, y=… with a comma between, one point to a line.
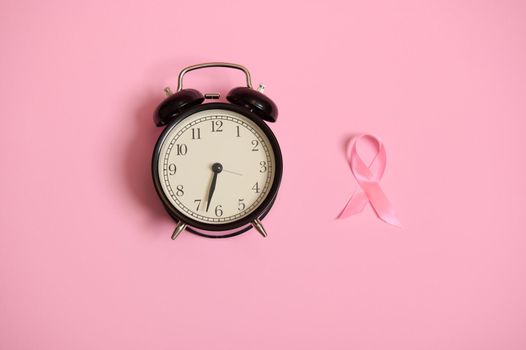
x=368, y=178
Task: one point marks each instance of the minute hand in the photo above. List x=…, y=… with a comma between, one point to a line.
x=216, y=168
x=211, y=191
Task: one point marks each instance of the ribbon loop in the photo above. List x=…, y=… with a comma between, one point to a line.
x=368, y=178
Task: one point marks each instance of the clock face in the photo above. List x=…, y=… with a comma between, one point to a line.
x=216, y=166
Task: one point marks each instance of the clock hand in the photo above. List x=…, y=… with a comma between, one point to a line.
x=216, y=168
x=211, y=191
x=232, y=172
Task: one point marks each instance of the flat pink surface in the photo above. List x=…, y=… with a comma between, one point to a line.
x=86, y=261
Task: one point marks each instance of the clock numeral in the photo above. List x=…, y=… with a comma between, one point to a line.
x=198, y=201
x=240, y=205
x=181, y=149
x=219, y=210
x=237, y=131
x=217, y=126
x=172, y=169
x=263, y=166
x=255, y=143
x=196, y=133
x=180, y=191
x=255, y=188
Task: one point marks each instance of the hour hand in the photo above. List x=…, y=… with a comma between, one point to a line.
x=216, y=169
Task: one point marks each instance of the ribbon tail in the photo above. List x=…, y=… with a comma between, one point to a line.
x=381, y=205
x=355, y=205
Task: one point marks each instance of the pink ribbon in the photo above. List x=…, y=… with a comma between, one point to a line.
x=368, y=178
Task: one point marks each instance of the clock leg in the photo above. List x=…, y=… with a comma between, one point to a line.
x=178, y=229
x=258, y=226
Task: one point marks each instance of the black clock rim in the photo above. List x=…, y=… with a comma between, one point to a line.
x=256, y=213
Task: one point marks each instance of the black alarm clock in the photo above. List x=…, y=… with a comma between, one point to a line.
x=217, y=166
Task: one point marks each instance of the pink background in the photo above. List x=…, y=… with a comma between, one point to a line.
x=86, y=261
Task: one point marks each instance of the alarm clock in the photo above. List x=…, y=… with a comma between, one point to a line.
x=217, y=166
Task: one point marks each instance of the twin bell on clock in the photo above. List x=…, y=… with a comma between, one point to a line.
x=217, y=166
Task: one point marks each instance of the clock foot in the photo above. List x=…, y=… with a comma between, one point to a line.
x=178, y=229
x=258, y=226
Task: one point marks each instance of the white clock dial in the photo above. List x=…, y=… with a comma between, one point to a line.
x=217, y=154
